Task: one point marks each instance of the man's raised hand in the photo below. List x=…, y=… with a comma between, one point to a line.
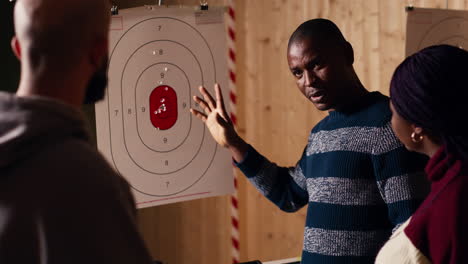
x=215, y=117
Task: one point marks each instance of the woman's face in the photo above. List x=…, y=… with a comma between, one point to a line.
x=403, y=130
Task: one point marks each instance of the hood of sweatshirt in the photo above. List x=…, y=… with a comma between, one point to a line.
x=28, y=124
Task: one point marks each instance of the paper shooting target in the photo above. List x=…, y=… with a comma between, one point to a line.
x=428, y=27
x=158, y=58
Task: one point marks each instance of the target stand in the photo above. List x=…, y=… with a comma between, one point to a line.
x=158, y=58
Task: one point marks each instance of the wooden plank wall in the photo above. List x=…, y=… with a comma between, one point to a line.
x=276, y=119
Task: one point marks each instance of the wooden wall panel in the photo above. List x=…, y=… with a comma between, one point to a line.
x=276, y=119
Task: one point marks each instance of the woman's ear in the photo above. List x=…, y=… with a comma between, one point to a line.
x=15, y=47
x=418, y=130
x=418, y=134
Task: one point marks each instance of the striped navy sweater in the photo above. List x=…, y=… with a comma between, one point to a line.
x=357, y=178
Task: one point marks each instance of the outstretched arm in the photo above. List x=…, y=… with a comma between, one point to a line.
x=285, y=187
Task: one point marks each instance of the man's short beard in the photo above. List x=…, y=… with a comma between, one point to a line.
x=96, y=89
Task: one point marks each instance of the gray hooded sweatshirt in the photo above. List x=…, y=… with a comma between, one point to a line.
x=60, y=201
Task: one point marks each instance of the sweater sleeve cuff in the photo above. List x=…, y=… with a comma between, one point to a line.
x=250, y=163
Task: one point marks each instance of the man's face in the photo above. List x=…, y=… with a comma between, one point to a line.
x=96, y=89
x=321, y=72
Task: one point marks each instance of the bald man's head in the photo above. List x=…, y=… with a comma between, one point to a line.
x=323, y=34
x=322, y=31
x=57, y=32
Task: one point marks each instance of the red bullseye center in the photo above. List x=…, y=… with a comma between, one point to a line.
x=163, y=107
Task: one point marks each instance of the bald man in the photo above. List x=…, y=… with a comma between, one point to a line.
x=60, y=201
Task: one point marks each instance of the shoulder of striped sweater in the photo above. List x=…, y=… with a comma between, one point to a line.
x=379, y=114
x=319, y=125
x=376, y=115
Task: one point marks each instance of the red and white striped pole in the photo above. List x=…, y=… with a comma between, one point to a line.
x=232, y=103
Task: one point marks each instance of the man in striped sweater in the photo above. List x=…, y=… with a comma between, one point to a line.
x=357, y=178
